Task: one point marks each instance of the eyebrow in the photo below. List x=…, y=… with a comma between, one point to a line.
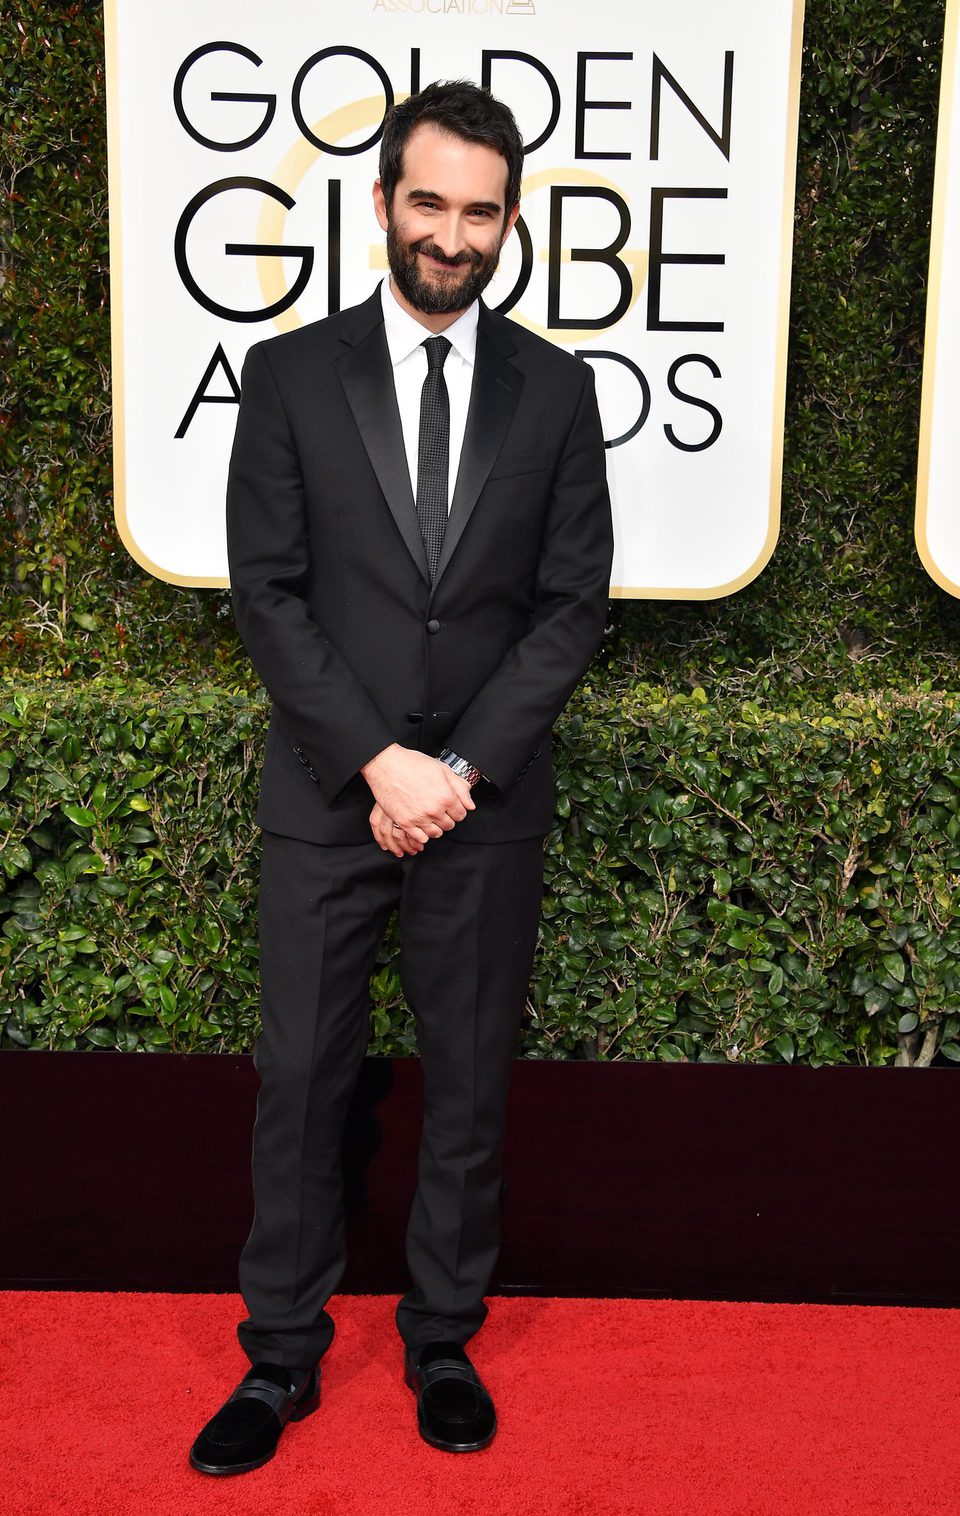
x=428, y=194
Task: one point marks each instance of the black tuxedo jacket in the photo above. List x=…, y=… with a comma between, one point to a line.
x=331, y=590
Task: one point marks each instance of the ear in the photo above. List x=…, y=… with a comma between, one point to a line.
x=510, y=222
x=380, y=205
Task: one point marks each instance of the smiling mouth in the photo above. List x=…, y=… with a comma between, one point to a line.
x=448, y=265
x=443, y=265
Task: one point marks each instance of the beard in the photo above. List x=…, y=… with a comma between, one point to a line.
x=467, y=276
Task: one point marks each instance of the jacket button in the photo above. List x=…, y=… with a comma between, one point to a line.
x=433, y=626
x=414, y=715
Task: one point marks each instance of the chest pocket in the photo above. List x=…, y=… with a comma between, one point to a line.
x=522, y=463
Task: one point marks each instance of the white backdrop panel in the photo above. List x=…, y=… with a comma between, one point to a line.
x=669, y=136
x=938, y=472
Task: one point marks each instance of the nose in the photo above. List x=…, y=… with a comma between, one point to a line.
x=448, y=236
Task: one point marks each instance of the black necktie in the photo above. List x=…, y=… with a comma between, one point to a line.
x=433, y=455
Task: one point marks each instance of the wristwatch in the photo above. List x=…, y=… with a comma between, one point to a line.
x=462, y=766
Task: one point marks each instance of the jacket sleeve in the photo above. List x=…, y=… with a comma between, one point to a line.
x=514, y=710
x=324, y=707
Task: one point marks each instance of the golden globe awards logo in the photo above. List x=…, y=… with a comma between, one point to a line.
x=560, y=194
x=653, y=241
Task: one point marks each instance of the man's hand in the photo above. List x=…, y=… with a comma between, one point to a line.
x=421, y=794
x=390, y=837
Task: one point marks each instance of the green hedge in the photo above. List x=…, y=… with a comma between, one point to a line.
x=756, y=858
x=724, y=883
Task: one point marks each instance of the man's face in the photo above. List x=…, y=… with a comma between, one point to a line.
x=447, y=221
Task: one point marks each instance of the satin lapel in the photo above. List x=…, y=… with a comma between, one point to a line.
x=368, y=384
x=493, y=404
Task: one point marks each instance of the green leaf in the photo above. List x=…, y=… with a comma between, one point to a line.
x=941, y=794
x=575, y=903
x=895, y=966
x=80, y=815
x=785, y=1047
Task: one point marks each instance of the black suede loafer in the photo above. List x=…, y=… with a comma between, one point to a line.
x=454, y=1410
x=246, y=1429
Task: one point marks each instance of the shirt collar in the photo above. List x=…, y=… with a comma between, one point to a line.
x=405, y=334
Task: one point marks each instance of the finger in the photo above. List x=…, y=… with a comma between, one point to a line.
x=383, y=831
x=462, y=792
x=432, y=826
x=420, y=835
x=390, y=842
x=409, y=845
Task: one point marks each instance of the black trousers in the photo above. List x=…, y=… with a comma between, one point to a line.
x=468, y=926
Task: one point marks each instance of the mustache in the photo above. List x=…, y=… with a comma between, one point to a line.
x=432, y=251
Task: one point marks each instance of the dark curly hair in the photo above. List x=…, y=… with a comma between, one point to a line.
x=464, y=110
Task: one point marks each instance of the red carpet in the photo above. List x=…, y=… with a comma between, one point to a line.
x=607, y=1408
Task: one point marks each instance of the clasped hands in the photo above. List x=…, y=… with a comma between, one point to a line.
x=417, y=797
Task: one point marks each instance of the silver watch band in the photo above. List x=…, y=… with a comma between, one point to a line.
x=461, y=766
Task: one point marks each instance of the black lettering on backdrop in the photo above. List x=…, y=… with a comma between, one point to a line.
x=243, y=249
x=523, y=236
x=583, y=104
x=340, y=52
x=487, y=57
x=333, y=246
x=721, y=138
x=607, y=255
x=200, y=396
x=590, y=353
x=704, y=405
x=587, y=62
x=658, y=258
x=269, y=101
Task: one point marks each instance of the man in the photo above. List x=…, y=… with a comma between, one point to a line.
x=420, y=543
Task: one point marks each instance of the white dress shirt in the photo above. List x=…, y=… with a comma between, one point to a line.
x=405, y=338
